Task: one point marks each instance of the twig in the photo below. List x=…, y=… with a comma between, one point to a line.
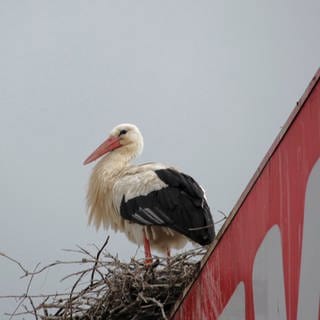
x=97, y=258
x=125, y=290
x=204, y=227
x=160, y=305
x=27, y=292
x=25, y=271
x=221, y=212
x=34, y=308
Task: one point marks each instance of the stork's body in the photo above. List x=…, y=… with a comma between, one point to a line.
x=150, y=202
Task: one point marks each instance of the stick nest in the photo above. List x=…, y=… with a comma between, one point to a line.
x=107, y=288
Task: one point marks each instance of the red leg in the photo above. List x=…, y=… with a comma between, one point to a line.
x=168, y=255
x=147, y=250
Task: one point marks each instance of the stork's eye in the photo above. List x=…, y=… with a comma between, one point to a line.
x=123, y=131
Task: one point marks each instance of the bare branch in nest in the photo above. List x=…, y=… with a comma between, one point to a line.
x=24, y=270
x=26, y=295
x=97, y=259
x=223, y=215
x=110, y=289
x=106, y=288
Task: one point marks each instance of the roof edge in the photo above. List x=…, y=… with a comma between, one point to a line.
x=294, y=113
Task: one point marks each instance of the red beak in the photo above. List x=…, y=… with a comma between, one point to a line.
x=110, y=144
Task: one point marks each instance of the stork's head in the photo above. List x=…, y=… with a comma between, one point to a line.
x=125, y=138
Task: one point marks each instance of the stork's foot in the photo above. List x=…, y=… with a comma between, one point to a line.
x=147, y=262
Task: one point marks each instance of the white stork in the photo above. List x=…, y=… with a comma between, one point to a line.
x=153, y=204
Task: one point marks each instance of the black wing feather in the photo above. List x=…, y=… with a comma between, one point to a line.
x=180, y=206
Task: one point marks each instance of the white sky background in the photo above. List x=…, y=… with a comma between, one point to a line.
x=209, y=83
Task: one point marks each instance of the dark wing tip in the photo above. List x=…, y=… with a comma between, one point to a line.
x=203, y=235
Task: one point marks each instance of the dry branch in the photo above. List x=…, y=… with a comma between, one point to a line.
x=106, y=288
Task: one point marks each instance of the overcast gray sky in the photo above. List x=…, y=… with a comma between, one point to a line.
x=209, y=83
